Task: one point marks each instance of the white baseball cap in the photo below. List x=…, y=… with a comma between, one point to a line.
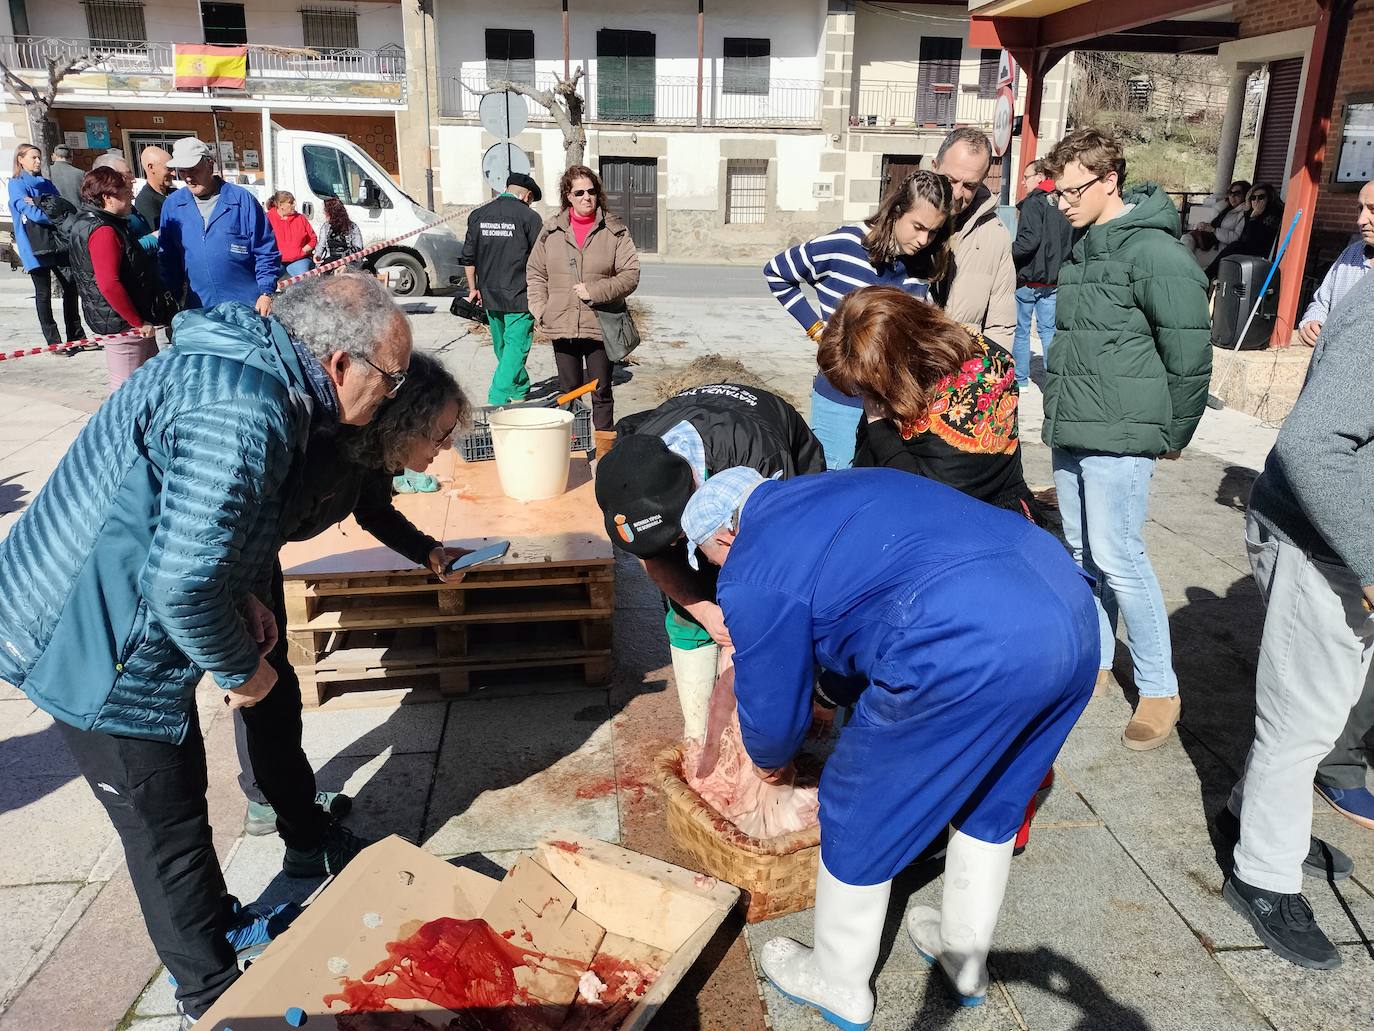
x=188, y=152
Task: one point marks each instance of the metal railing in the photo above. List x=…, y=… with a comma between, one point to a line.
x=893, y=105
x=669, y=100
x=138, y=57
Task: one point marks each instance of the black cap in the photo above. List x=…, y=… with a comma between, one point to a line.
x=642, y=488
x=525, y=182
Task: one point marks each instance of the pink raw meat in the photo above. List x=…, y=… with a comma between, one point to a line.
x=731, y=787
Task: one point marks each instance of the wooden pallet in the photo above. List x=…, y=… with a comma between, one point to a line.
x=361, y=618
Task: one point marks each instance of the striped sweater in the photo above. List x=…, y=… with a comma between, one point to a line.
x=833, y=265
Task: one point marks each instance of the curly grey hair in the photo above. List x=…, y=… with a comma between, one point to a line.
x=350, y=312
x=410, y=415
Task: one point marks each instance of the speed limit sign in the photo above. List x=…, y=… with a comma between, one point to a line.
x=1003, y=114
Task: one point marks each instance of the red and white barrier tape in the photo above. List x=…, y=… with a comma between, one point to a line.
x=317, y=271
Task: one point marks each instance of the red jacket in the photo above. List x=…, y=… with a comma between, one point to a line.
x=293, y=235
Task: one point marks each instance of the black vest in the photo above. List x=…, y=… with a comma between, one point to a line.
x=137, y=271
x=738, y=425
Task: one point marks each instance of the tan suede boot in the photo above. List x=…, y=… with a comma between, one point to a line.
x=1152, y=723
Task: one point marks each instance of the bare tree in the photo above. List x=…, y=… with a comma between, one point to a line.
x=563, y=103
x=38, y=99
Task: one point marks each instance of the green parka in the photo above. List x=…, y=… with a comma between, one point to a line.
x=1132, y=355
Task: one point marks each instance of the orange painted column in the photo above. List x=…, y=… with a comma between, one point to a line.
x=1309, y=152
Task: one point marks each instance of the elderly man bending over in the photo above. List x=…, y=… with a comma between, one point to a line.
x=871, y=573
x=141, y=565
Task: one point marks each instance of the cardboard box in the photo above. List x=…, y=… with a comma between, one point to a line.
x=583, y=935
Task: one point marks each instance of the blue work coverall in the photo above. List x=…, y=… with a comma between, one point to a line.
x=234, y=258
x=974, y=629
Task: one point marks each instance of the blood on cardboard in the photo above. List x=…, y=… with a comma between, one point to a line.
x=403, y=941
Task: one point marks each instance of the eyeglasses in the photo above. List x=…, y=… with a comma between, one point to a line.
x=1074, y=193
x=447, y=438
x=394, y=379
x=589, y=191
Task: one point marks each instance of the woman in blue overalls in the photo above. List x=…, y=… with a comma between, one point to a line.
x=977, y=637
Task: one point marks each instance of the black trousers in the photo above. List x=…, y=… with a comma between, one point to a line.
x=154, y=792
x=580, y=361
x=272, y=763
x=42, y=296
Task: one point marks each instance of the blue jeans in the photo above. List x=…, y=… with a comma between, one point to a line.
x=835, y=426
x=295, y=268
x=1102, y=502
x=1037, y=301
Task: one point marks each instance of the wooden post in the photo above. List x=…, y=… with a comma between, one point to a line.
x=701, y=54
x=567, y=54
x=1029, y=60
x=1309, y=151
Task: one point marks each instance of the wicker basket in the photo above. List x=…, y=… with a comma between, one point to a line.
x=776, y=876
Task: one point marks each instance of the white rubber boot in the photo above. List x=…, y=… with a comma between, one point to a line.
x=694, y=671
x=833, y=977
x=959, y=937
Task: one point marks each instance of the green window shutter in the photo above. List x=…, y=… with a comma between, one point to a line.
x=625, y=69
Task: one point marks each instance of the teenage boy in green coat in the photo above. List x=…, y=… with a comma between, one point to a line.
x=1127, y=385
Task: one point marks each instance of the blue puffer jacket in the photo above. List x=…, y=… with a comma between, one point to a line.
x=125, y=579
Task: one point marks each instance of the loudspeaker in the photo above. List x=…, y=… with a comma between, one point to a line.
x=1239, y=278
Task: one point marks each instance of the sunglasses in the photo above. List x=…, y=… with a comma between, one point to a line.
x=1237, y=193
x=1257, y=196
x=394, y=380
x=590, y=191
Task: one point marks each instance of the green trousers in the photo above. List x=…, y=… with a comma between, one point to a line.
x=511, y=333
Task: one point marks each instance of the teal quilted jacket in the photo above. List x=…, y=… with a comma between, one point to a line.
x=125, y=579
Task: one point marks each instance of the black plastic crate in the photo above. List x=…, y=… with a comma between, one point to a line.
x=476, y=445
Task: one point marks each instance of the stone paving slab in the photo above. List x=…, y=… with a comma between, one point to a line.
x=31, y=746
x=548, y=758
x=1086, y=940
x=1295, y=999
x=1151, y=803
x=368, y=731
x=34, y=911
x=52, y=829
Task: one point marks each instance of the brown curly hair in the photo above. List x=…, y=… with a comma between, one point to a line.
x=580, y=172
x=402, y=420
x=885, y=344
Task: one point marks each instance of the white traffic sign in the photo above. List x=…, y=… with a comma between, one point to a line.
x=1003, y=114
x=500, y=160
x=1006, y=69
x=504, y=115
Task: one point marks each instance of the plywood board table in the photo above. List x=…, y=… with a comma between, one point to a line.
x=361, y=617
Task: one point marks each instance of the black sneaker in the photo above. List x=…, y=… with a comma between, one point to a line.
x=339, y=846
x=1284, y=923
x=1324, y=861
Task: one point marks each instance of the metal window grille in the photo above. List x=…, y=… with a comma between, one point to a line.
x=510, y=55
x=746, y=194
x=112, y=22
x=329, y=29
x=746, y=66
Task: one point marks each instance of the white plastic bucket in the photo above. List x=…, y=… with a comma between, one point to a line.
x=533, y=450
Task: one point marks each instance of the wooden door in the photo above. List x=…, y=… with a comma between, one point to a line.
x=896, y=167
x=937, y=80
x=632, y=193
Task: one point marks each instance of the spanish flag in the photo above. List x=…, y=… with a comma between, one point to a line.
x=197, y=65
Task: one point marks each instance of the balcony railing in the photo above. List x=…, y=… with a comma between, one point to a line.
x=670, y=100
x=894, y=105
x=135, y=67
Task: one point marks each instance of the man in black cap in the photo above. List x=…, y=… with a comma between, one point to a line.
x=501, y=234
x=643, y=484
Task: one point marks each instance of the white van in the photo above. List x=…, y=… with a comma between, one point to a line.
x=317, y=165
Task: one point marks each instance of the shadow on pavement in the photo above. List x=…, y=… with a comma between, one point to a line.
x=24, y=753
x=12, y=494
